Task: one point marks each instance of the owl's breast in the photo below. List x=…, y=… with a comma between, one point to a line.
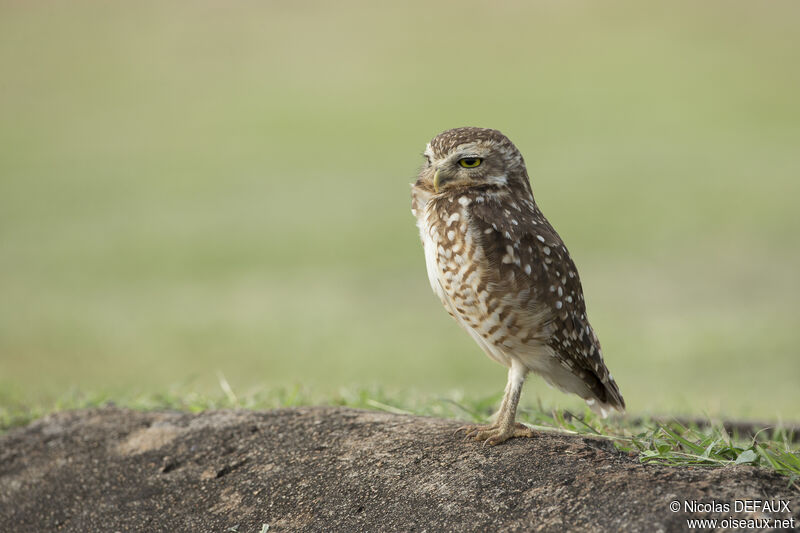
x=457, y=271
x=454, y=258
x=430, y=244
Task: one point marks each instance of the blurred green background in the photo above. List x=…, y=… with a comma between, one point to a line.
x=198, y=187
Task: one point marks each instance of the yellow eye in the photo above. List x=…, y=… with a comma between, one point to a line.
x=470, y=162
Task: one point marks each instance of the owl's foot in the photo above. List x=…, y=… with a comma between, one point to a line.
x=494, y=434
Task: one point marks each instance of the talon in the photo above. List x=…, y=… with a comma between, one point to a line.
x=494, y=435
x=475, y=432
x=465, y=428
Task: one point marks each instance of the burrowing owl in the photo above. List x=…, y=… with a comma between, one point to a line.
x=503, y=273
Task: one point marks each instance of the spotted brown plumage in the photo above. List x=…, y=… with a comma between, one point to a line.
x=504, y=274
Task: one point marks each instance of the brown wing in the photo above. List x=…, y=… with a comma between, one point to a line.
x=528, y=255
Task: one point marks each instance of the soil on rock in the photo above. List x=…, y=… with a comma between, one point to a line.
x=336, y=469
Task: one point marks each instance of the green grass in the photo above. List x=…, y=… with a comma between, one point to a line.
x=194, y=188
x=668, y=443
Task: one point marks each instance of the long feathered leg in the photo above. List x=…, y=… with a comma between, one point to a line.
x=504, y=426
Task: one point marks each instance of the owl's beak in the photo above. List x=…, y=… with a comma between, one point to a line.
x=436, y=181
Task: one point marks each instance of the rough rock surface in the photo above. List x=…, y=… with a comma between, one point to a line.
x=336, y=469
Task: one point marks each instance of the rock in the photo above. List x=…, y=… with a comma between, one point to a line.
x=337, y=469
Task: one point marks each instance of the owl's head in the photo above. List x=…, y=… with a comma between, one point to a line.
x=464, y=158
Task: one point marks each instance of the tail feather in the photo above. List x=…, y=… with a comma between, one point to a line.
x=613, y=400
